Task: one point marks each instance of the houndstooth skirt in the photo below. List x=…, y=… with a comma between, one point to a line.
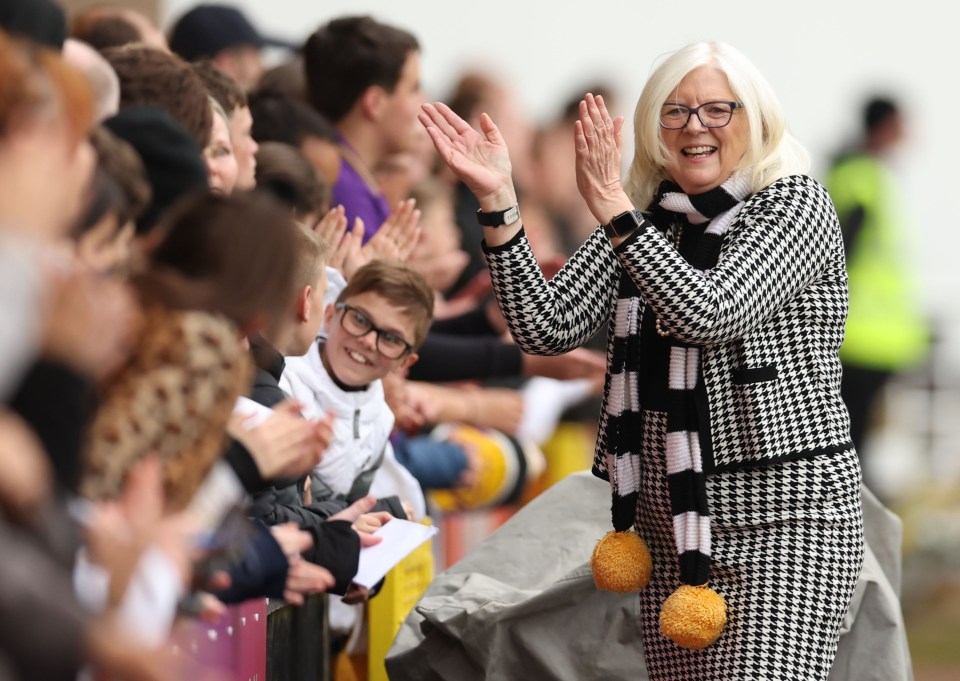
x=787, y=549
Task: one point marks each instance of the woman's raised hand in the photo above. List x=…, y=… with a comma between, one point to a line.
x=599, y=144
x=479, y=159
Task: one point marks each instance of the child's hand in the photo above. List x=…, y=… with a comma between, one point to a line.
x=369, y=523
x=305, y=578
x=356, y=594
x=292, y=540
x=397, y=236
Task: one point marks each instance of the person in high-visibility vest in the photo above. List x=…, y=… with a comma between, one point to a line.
x=885, y=331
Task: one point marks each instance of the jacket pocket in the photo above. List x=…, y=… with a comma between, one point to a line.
x=748, y=375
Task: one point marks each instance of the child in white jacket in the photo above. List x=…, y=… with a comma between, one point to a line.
x=375, y=326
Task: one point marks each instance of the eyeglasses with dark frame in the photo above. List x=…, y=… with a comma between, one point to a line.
x=358, y=324
x=675, y=116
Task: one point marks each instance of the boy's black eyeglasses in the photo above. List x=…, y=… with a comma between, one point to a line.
x=711, y=114
x=358, y=324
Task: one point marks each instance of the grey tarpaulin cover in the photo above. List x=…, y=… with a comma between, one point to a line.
x=523, y=604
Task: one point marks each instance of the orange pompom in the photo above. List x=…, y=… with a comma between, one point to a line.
x=621, y=562
x=693, y=616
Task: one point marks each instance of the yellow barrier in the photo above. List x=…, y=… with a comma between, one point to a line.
x=385, y=613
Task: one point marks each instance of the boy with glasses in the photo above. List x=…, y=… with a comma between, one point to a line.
x=375, y=327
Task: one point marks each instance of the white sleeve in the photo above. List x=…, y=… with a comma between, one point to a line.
x=91, y=583
x=335, y=283
x=150, y=603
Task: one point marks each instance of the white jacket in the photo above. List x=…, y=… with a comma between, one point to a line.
x=361, y=431
x=362, y=419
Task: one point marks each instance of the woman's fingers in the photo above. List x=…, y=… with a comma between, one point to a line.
x=579, y=137
x=602, y=108
x=459, y=125
x=594, y=112
x=438, y=118
x=586, y=122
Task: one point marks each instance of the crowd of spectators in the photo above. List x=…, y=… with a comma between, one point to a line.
x=237, y=304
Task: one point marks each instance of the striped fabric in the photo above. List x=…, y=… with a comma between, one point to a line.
x=685, y=476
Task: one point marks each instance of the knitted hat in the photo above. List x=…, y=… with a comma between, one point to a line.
x=42, y=21
x=208, y=29
x=171, y=157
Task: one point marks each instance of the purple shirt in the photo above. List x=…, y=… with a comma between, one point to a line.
x=359, y=200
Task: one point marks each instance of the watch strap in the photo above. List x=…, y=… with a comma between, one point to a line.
x=500, y=217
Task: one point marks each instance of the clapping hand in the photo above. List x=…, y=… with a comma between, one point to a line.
x=480, y=159
x=395, y=240
x=598, y=141
x=397, y=236
x=285, y=444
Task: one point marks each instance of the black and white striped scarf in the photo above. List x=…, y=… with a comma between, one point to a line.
x=686, y=482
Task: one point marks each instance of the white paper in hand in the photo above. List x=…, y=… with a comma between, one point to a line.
x=400, y=537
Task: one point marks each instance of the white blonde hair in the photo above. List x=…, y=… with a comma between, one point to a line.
x=772, y=153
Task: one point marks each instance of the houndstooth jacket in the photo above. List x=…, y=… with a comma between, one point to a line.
x=769, y=317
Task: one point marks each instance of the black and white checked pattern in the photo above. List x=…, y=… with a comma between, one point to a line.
x=787, y=550
x=769, y=316
x=781, y=480
x=770, y=319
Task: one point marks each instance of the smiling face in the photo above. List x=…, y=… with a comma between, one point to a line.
x=703, y=158
x=355, y=361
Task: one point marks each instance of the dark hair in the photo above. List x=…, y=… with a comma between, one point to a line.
x=348, y=55
x=118, y=185
x=571, y=109
x=152, y=77
x=102, y=196
x=471, y=91
x=286, y=173
x=102, y=30
x=877, y=111
x=287, y=79
x=399, y=284
x=233, y=255
x=227, y=91
x=39, y=21
x=280, y=118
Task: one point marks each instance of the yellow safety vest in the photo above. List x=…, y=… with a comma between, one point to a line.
x=885, y=328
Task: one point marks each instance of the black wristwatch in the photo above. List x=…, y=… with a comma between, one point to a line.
x=500, y=217
x=623, y=224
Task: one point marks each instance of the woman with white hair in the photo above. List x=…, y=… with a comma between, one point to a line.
x=719, y=269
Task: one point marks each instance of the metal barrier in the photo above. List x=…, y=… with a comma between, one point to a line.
x=298, y=641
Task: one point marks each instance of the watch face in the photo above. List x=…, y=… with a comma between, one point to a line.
x=511, y=216
x=624, y=223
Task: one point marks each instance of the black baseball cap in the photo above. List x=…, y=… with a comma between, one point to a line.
x=206, y=30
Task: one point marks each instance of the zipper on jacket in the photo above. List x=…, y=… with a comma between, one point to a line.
x=356, y=424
